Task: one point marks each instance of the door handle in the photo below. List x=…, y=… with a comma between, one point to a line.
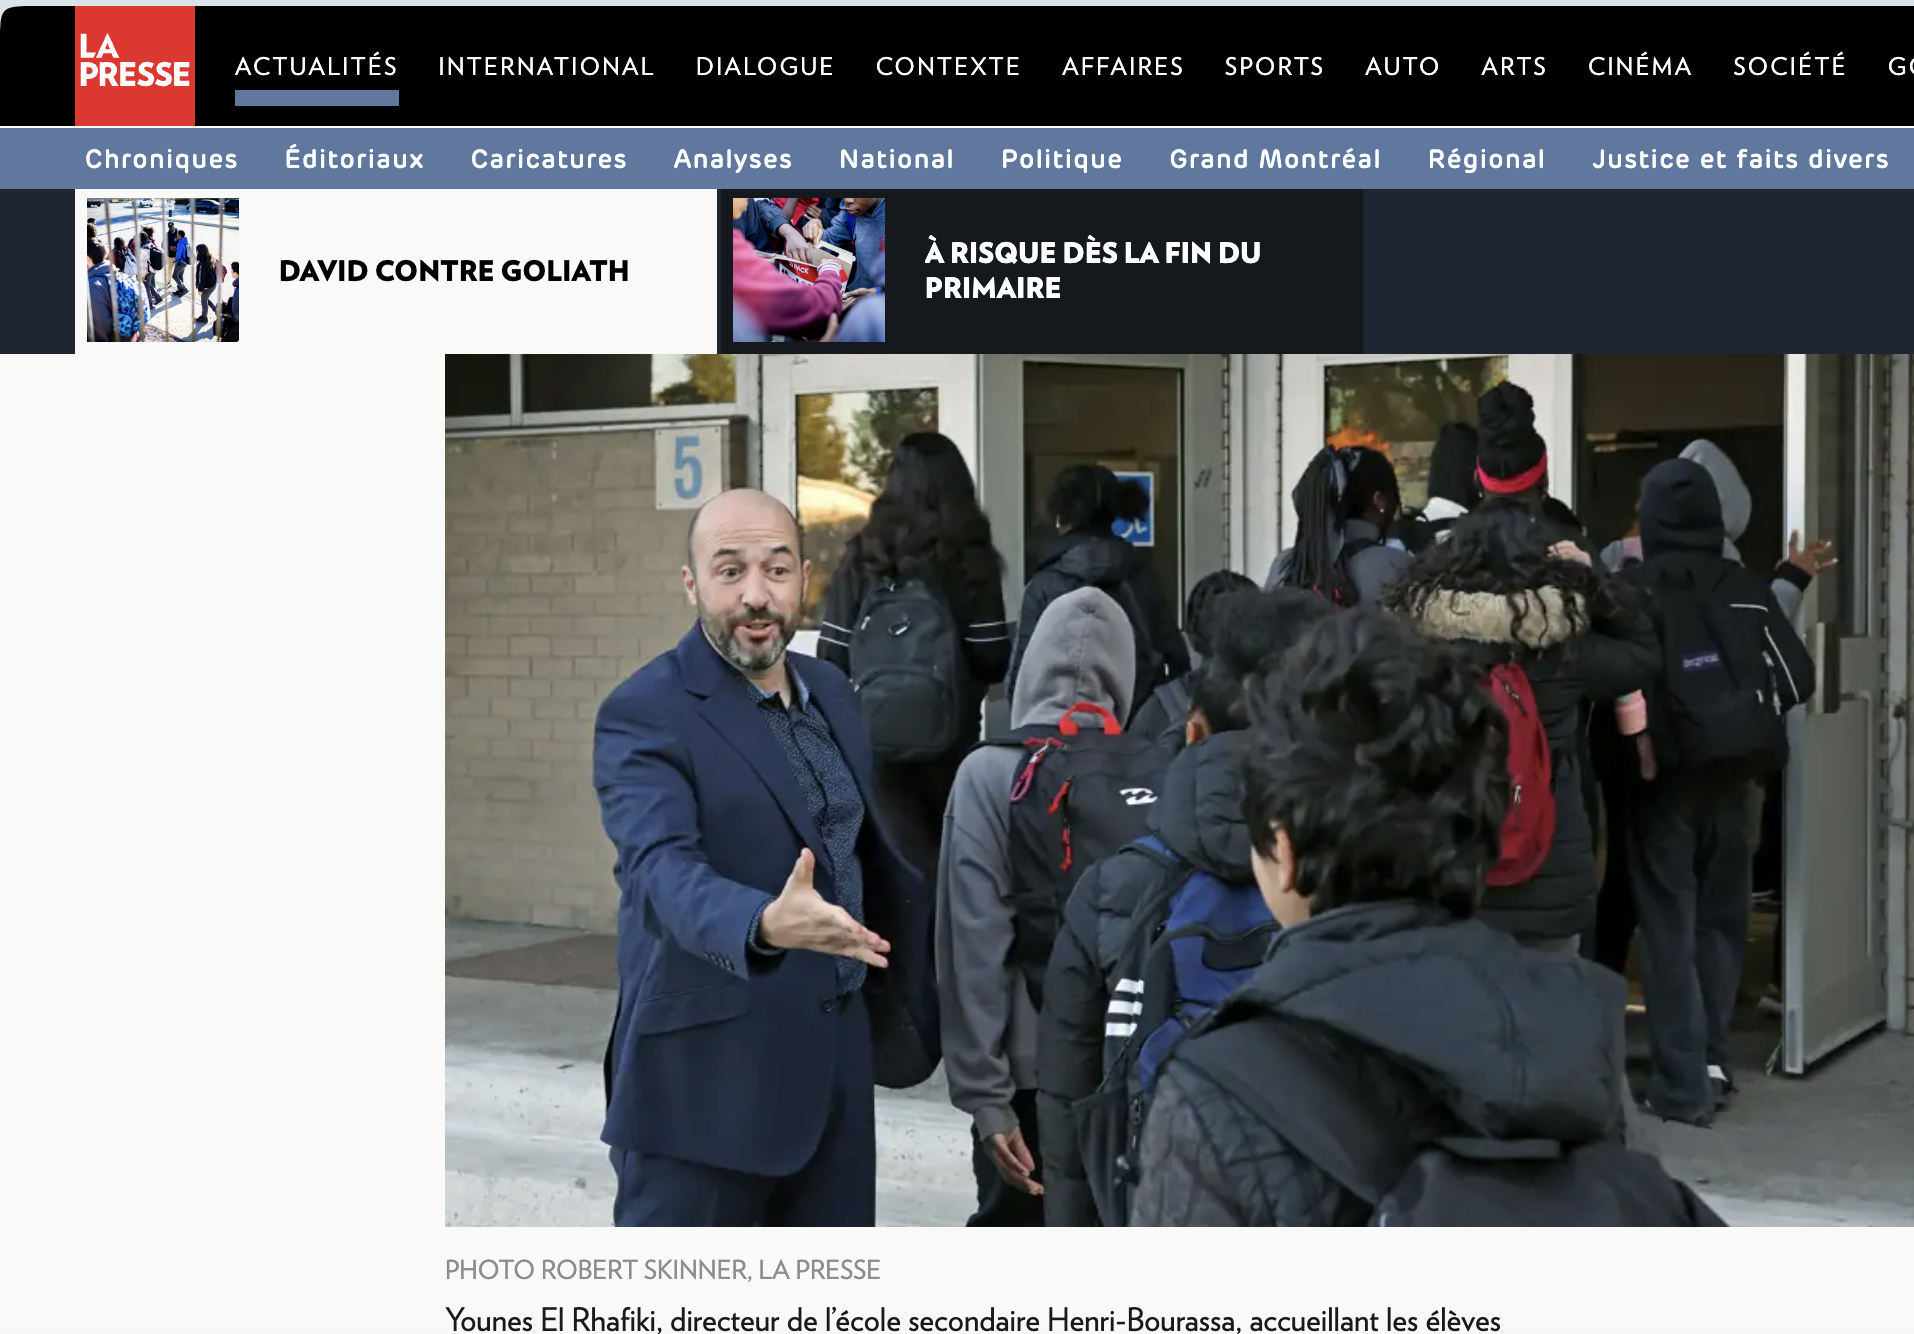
x=1827, y=667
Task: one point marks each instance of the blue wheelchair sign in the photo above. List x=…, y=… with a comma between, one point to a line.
x=1139, y=532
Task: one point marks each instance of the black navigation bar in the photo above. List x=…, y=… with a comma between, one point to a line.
x=842, y=68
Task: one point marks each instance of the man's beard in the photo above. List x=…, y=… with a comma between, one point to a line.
x=722, y=631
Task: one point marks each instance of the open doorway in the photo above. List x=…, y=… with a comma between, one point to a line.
x=1631, y=412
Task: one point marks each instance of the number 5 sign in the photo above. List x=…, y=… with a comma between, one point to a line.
x=690, y=465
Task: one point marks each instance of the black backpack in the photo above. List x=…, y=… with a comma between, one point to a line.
x=1080, y=794
x=1193, y=941
x=1295, y=1086
x=907, y=667
x=1420, y=532
x=1718, y=705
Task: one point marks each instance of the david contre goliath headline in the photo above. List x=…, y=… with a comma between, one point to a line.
x=456, y=270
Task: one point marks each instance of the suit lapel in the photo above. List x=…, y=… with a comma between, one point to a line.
x=734, y=714
x=843, y=728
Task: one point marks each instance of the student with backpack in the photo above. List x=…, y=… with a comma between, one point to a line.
x=1549, y=634
x=914, y=616
x=1155, y=936
x=1168, y=710
x=206, y=280
x=1085, y=502
x=1731, y=667
x=1395, y=1061
x=1030, y=812
x=1345, y=502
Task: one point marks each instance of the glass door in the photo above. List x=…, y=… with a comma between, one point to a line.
x=1398, y=403
x=1835, y=897
x=829, y=425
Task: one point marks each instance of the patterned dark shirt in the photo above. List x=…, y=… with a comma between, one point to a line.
x=830, y=792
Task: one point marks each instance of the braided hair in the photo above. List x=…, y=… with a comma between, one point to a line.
x=1337, y=486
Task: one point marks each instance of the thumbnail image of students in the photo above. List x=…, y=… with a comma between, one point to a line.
x=1085, y=503
x=206, y=279
x=763, y=224
x=116, y=312
x=1731, y=666
x=775, y=304
x=149, y=251
x=860, y=228
x=863, y=319
x=1345, y=503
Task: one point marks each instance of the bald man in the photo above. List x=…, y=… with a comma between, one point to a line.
x=773, y=947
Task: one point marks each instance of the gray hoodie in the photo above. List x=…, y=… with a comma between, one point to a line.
x=1082, y=650
x=1737, y=505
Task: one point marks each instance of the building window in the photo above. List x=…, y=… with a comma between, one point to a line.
x=844, y=446
x=478, y=386
x=1397, y=408
x=556, y=391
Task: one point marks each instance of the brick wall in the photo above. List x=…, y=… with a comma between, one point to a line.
x=561, y=580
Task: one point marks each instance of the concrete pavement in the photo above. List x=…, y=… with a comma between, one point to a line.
x=524, y=1101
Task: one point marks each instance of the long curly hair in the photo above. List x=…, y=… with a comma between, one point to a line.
x=1502, y=547
x=1380, y=755
x=927, y=524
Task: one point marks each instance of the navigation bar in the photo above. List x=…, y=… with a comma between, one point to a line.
x=114, y=161
x=729, y=66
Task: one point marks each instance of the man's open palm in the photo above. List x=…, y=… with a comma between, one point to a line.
x=800, y=919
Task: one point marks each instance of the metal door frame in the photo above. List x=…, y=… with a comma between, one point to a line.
x=1862, y=682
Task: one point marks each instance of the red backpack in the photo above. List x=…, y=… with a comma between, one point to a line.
x=1529, y=828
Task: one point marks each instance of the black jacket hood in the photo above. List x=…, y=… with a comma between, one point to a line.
x=1681, y=511
x=1097, y=559
x=1199, y=816
x=1514, y=1042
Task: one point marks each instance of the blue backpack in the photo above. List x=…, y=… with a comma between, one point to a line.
x=1190, y=947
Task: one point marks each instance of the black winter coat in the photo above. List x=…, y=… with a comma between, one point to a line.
x=1568, y=672
x=1106, y=561
x=1199, y=817
x=1446, y=1021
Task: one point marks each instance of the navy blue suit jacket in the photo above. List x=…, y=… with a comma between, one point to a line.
x=719, y=1055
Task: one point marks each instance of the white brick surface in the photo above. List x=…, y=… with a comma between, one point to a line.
x=561, y=579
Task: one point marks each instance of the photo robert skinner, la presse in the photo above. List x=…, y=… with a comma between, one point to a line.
x=157, y=269
x=830, y=743
x=807, y=270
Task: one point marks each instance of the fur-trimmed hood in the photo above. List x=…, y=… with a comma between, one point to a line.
x=1534, y=618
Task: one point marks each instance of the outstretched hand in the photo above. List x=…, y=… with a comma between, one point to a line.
x=800, y=919
x=1812, y=559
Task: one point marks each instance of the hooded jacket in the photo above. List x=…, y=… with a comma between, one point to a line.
x=1105, y=561
x=1566, y=670
x=1790, y=581
x=1080, y=651
x=1684, y=542
x=1199, y=818
x=1443, y=1020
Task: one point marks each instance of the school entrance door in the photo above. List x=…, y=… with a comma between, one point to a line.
x=1836, y=898
x=1159, y=418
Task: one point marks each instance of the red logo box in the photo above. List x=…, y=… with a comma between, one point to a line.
x=134, y=66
